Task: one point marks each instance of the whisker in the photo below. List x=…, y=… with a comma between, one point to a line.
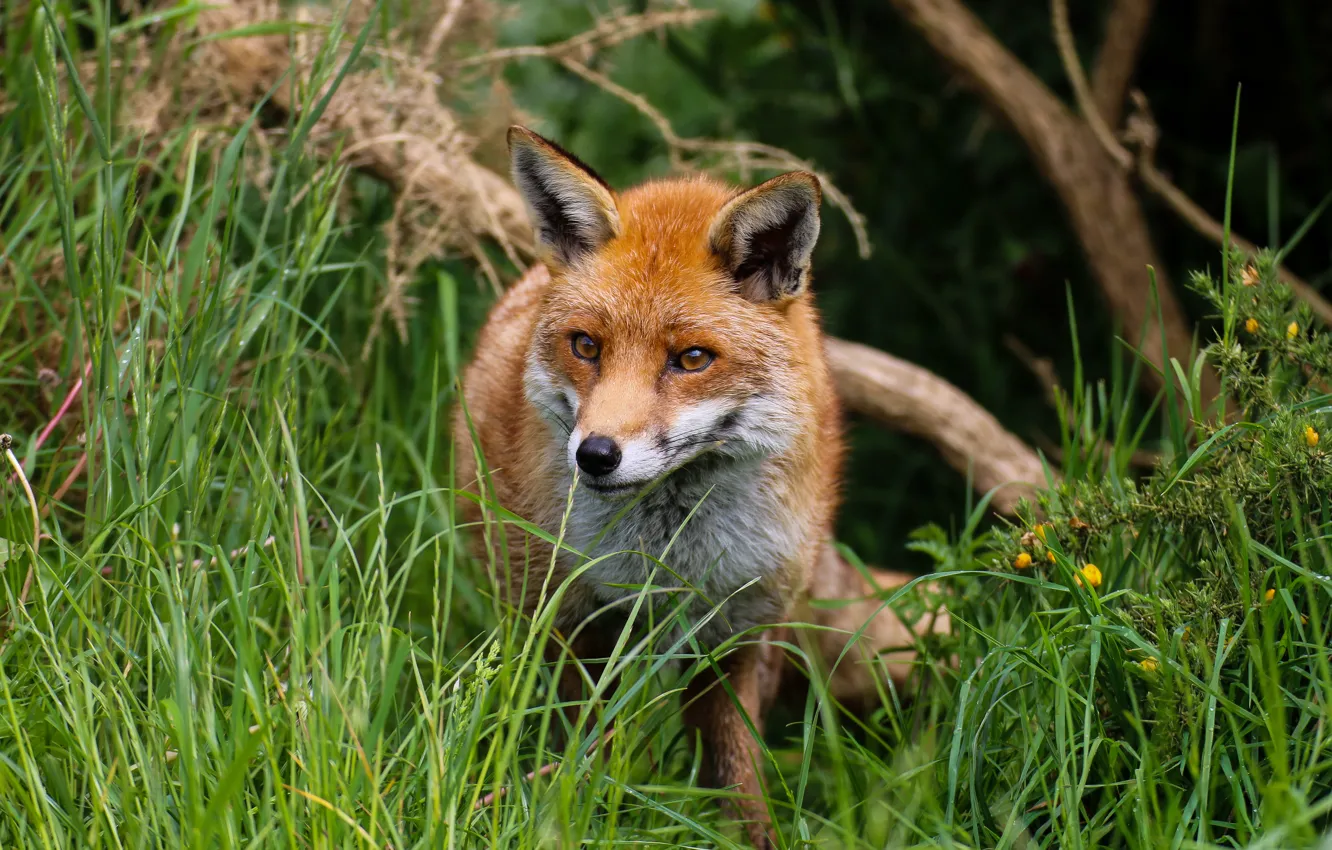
x=706, y=441
x=559, y=420
x=710, y=430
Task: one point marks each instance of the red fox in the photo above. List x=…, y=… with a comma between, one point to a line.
x=665, y=363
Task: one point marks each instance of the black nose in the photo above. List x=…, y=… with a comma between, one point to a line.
x=598, y=455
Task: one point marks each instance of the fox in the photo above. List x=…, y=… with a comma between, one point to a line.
x=656, y=383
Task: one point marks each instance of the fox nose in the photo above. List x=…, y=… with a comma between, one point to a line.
x=598, y=455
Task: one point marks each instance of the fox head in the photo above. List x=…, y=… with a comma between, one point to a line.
x=677, y=321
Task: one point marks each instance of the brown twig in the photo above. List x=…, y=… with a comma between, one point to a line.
x=1125, y=30
x=443, y=27
x=607, y=32
x=1144, y=132
x=1068, y=53
x=747, y=155
x=1041, y=367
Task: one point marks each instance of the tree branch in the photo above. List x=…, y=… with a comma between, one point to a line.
x=1068, y=52
x=1125, y=29
x=915, y=401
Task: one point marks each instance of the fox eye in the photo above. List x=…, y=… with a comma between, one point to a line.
x=694, y=359
x=585, y=347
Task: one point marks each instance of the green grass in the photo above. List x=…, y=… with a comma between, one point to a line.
x=352, y=682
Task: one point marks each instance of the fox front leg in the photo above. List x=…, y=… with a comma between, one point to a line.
x=733, y=755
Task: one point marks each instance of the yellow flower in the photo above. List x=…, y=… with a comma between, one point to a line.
x=1250, y=276
x=1092, y=573
x=1270, y=594
x=1149, y=664
x=1304, y=619
x=1022, y=561
x=1251, y=326
x=1185, y=635
x=1049, y=556
x=1310, y=436
x=1292, y=330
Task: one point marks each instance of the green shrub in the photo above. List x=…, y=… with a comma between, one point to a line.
x=1151, y=656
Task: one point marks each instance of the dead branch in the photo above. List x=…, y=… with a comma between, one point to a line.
x=1103, y=209
x=1125, y=29
x=1041, y=368
x=254, y=65
x=918, y=402
x=443, y=27
x=1068, y=54
x=607, y=32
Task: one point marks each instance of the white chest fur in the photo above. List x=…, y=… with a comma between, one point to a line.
x=716, y=532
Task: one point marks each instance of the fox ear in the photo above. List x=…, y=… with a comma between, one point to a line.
x=572, y=209
x=765, y=236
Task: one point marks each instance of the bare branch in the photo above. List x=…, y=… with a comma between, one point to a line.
x=443, y=27
x=1144, y=131
x=1068, y=53
x=1125, y=28
x=918, y=402
x=607, y=32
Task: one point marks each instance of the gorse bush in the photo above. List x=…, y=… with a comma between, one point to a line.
x=1170, y=669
